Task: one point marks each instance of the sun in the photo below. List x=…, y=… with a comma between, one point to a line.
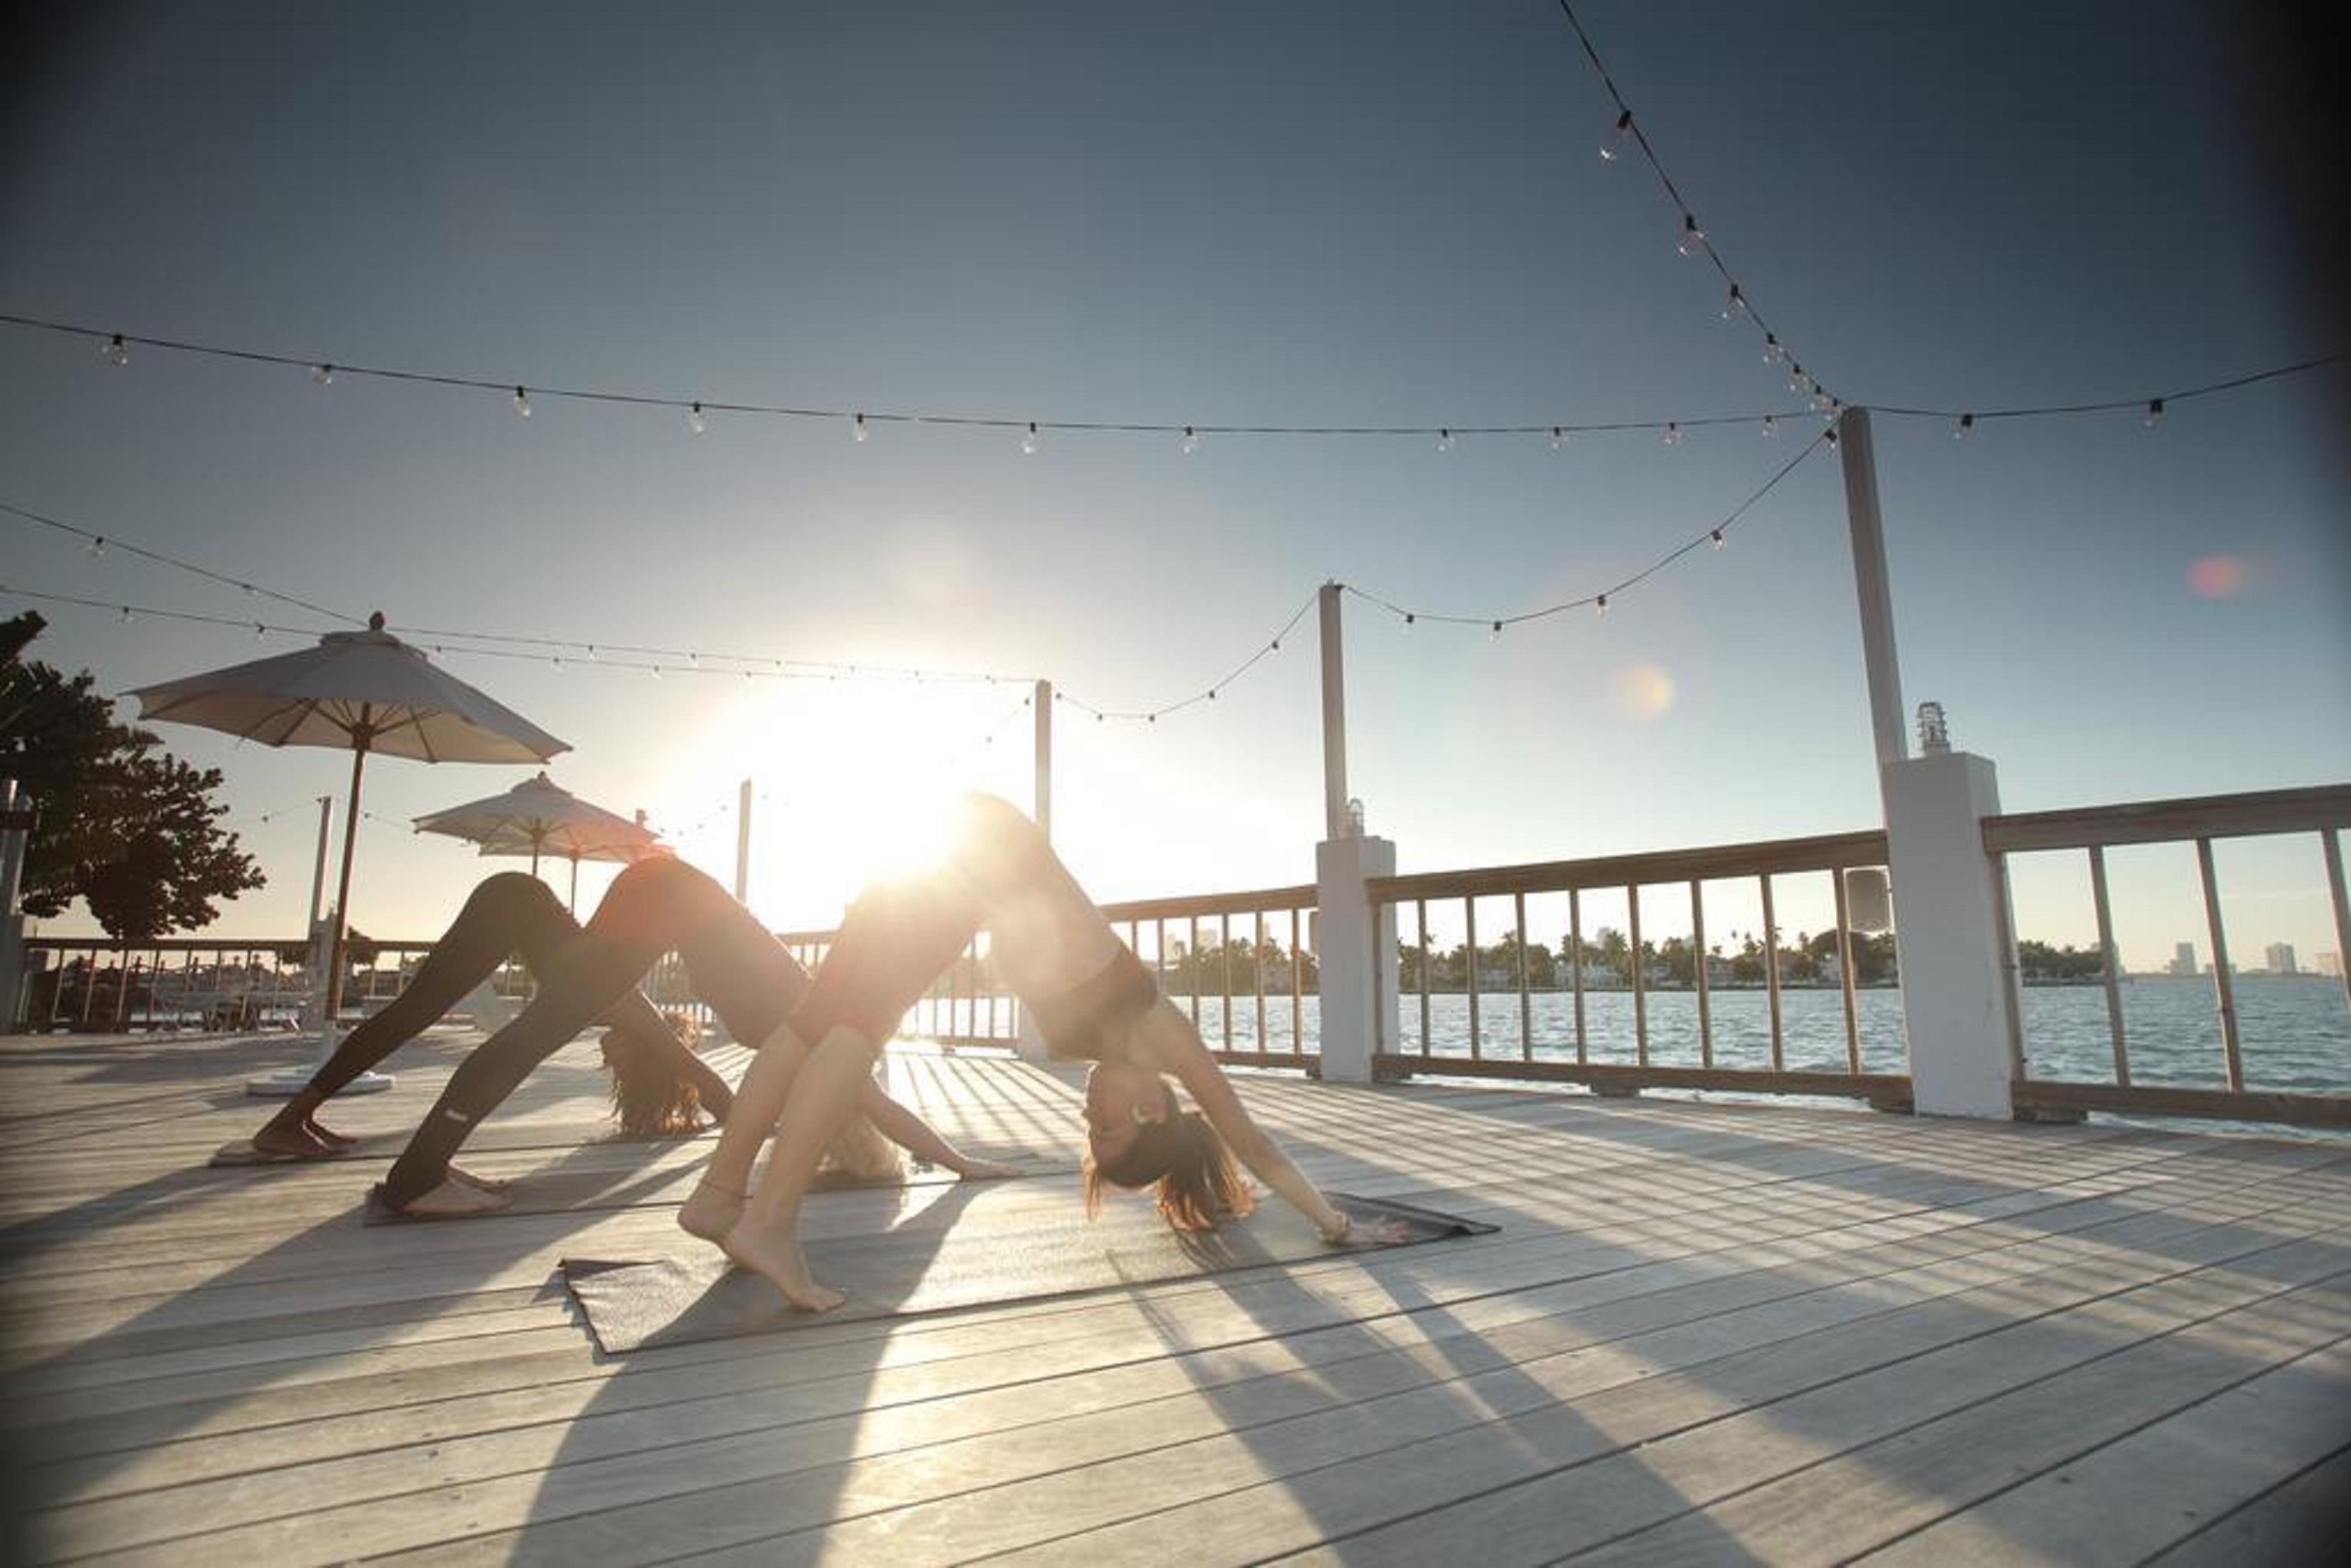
x=855, y=781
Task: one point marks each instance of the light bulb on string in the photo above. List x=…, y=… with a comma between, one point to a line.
x=1029, y=441
x=1494, y=632
x=125, y=615
x=1191, y=442
x=1770, y=427
x=1959, y=431
x=1716, y=537
x=1600, y=605
x=1821, y=402
x=250, y=591
x=323, y=374
x=1559, y=438
x=1693, y=238
x=1445, y=441
x=97, y=544
x=522, y=402
x=695, y=423
x=591, y=653
x=857, y=429
x=1828, y=436
x=1276, y=648
x=1772, y=352
x=1673, y=436
x=117, y=353
x=1798, y=381
x=1409, y=619
x=258, y=630
x=1614, y=147
x=654, y=670
x=1734, y=308
x=555, y=663
x=2154, y=416
x=1212, y=693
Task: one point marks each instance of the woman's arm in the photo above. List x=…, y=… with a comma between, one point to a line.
x=918, y=1137
x=1165, y=1040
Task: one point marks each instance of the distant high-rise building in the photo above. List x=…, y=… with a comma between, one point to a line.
x=2183, y=959
x=2281, y=959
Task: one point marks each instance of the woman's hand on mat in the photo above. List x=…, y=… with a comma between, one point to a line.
x=983, y=1170
x=1384, y=1231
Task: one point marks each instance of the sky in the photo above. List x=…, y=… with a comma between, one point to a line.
x=1223, y=215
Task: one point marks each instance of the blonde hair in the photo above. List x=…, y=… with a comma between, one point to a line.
x=860, y=1152
x=651, y=1098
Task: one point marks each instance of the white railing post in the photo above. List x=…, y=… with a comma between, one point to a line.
x=1027, y=1043
x=1354, y=948
x=1951, y=900
x=1354, y=956
x=743, y=842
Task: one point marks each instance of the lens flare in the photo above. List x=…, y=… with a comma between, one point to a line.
x=2216, y=576
x=1642, y=693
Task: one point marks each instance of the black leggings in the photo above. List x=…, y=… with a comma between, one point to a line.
x=653, y=907
x=507, y=913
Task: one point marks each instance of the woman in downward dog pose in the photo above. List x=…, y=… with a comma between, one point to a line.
x=1091, y=998
x=655, y=906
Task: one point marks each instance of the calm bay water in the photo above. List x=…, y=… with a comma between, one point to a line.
x=2294, y=1032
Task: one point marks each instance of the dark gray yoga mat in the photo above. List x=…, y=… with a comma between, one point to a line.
x=569, y=1192
x=974, y=1259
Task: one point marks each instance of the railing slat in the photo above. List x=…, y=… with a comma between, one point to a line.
x=1771, y=977
x=1845, y=975
x=1526, y=1001
x=1575, y=968
x=2330, y=845
x=1697, y=974
x=2107, y=959
x=1470, y=913
x=2222, y=988
x=1640, y=985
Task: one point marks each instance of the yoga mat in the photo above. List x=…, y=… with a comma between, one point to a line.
x=570, y=1192
x=486, y=1140
x=976, y=1260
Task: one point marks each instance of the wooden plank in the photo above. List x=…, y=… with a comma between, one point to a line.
x=2299, y=1522
x=2157, y=1486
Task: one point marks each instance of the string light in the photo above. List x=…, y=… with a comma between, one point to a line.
x=1495, y=635
x=2154, y=416
x=115, y=352
x=1772, y=352
x=1409, y=619
x=1600, y=604
x=1693, y=238
x=1673, y=436
x=695, y=423
x=1445, y=441
x=125, y=616
x=522, y=402
x=97, y=544
x=1029, y=441
x=555, y=663
x=323, y=375
x=1967, y=422
x=1734, y=308
x=1716, y=537
x=1770, y=427
x=259, y=631
x=1559, y=438
x=858, y=429
x=1191, y=442
x=1614, y=148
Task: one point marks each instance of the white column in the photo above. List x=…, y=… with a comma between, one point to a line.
x=1355, y=956
x=743, y=844
x=1960, y=1004
x=1042, y=701
x=15, y=843
x=1335, y=717
x=1879, y=661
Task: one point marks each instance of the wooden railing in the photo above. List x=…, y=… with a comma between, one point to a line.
x=1573, y=1057
x=200, y=984
x=969, y=1004
x=2322, y=812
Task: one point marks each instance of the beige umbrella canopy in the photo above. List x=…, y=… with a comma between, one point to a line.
x=539, y=817
x=357, y=691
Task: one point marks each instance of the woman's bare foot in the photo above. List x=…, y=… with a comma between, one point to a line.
x=291, y=1141
x=777, y=1259
x=450, y=1200
x=478, y=1183
x=709, y=1211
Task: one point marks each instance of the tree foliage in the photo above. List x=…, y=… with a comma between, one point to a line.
x=125, y=826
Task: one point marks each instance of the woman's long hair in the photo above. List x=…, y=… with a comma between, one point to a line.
x=651, y=1100
x=1199, y=1182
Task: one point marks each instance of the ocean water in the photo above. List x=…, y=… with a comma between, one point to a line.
x=2294, y=1032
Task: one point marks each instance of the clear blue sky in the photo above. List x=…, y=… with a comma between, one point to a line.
x=1218, y=214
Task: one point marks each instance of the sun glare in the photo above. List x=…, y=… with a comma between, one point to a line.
x=857, y=782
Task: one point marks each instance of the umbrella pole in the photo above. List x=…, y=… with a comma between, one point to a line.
x=573, y=905
x=295, y=1080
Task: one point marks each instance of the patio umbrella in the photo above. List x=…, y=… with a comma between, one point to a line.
x=539, y=817
x=357, y=691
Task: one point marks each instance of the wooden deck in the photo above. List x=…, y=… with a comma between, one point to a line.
x=1704, y=1332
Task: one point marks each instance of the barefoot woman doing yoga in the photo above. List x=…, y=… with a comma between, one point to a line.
x=1089, y=997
